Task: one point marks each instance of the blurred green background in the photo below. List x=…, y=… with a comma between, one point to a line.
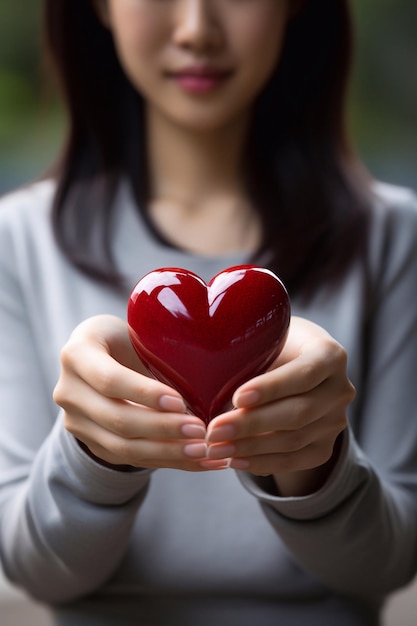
x=383, y=105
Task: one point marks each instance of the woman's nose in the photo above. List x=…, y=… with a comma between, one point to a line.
x=197, y=25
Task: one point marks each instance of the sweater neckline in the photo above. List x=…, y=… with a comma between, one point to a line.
x=138, y=245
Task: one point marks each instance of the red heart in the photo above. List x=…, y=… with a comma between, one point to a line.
x=206, y=340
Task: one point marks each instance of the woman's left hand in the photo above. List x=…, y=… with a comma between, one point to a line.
x=287, y=420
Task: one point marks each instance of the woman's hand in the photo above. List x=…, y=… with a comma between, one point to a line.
x=287, y=421
x=118, y=413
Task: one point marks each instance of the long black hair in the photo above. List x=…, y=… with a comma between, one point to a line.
x=300, y=170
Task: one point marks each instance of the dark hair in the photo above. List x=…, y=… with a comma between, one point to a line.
x=300, y=170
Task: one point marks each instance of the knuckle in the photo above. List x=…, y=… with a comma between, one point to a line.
x=62, y=397
x=67, y=422
x=69, y=354
x=248, y=447
x=256, y=422
x=295, y=440
x=105, y=379
x=346, y=394
x=249, y=428
x=147, y=396
x=71, y=424
x=122, y=450
x=335, y=351
x=350, y=392
x=58, y=394
x=167, y=427
x=145, y=393
x=301, y=412
x=334, y=355
x=341, y=423
x=339, y=352
x=119, y=424
x=309, y=374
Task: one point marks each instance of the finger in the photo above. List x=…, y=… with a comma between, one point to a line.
x=292, y=413
x=184, y=464
x=301, y=333
x=111, y=333
x=133, y=421
x=288, y=413
x=308, y=458
x=98, y=369
x=145, y=453
x=125, y=418
x=282, y=442
x=319, y=359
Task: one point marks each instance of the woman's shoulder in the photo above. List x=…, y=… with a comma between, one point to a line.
x=393, y=236
x=27, y=203
x=394, y=212
x=394, y=200
x=25, y=221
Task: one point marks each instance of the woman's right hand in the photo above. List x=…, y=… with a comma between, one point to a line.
x=117, y=411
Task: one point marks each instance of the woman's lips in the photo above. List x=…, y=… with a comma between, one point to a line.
x=202, y=81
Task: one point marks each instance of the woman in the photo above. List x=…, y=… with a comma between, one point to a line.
x=205, y=134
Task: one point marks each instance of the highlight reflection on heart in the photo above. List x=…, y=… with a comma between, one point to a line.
x=205, y=340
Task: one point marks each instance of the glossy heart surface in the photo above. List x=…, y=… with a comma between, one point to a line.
x=205, y=340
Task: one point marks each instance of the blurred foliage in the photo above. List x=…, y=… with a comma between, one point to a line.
x=383, y=106
x=382, y=114
x=31, y=122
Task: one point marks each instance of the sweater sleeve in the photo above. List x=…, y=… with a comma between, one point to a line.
x=358, y=533
x=65, y=521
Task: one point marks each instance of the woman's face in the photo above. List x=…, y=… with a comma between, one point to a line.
x=198, y=63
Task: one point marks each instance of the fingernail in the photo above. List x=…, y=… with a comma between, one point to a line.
x=239, y=464
x=222, y=433
x=193, y=431
x=172, y=404
x=220, y=452
x=246, y=399
x=195, y=450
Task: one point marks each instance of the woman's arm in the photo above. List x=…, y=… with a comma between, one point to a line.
x=57, y=507
x=65, y=519
x=356, y=530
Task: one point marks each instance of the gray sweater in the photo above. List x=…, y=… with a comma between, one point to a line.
x=170, y=547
